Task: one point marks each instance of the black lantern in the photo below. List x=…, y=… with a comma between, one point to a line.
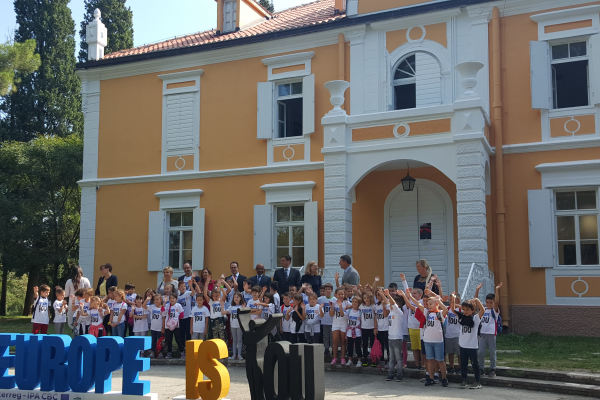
x=408, y=182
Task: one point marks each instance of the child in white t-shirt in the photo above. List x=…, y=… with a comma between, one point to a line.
x=489, y=329
x=469, y=321
x=172, y=313
x=394, y=335
x=199, y=315
x=382, y=311
x=451, y=345
x=156, y=321
x=314, y=312
x=95, y=312
x=85, y=320
x=185, y=299
x=354, y=332
x=130, y=297
x=339, y=325
x=216, y=301
x=140, y=318
x=286, y=323
x=60, y=311
x=41, y=311
x=326, y=319
x=367, y=326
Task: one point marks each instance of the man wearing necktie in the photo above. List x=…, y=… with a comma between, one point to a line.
x=235, y=273
x=287, y=275
x=260, y=279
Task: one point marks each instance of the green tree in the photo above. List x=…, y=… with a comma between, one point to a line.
x=39, y=208
x=268, y=4
x=118, y=20
x=48, y=101
x=16, y=58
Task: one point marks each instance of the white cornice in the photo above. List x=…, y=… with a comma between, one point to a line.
x=571, y=12
x=284, y=192
x=203, y=174
x=307, y=55
x=297, y=43
x=570, y=174
x=288, y=186
x=179, y=193
x=185, y=74
x=515, y=7
x=415, y=20
x=550, y=146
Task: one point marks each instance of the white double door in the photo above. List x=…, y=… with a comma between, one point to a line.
x=418, y=229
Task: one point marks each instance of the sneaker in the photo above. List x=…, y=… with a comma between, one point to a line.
x=240, y=358
x=232, y=358
x=492, y=374
x=152, y=354
x=343, y=361
x=398, y=378
x=428, y=382
x=475, y=385
x=349, y=363
x=359, y=365
x=365, y=364
x=334, y=361
x=463, y=385
x=450, y=371
x=160, y=355
x=389, y=378
x=445, y=382
x=374, y=365
x=424, y=379
x=182, y=356
x=436, y=379
x=168, y=357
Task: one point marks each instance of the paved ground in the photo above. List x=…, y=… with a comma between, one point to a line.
x=169, y=381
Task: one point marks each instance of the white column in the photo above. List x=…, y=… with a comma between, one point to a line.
x=357, y=69
x=96, y=37
x=480, y=17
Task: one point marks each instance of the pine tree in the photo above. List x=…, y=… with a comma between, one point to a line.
x=268, y=4
x=118, y=21
x=47, y=101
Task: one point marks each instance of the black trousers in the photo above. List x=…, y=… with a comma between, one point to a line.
x=465, y=356
x=169, y=334
x=184, y=330
x=354, y=343
x=382, y=336
x=367, y=336
x=155, y=336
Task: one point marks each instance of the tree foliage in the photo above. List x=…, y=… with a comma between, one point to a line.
x=16, y=59
x=39, y=206
x=268, y=4
x=48, y=101
x=118, y=20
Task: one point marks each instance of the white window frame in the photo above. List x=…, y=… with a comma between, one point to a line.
x=179, y=229
x=180, y=77
x=233, y=15
x=403, y=81
x=278, y=98
x=288, y=224
x=553, y=62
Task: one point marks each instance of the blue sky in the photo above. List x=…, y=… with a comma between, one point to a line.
x=153, y=20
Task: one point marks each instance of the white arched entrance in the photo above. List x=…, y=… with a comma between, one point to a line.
x=419, y=224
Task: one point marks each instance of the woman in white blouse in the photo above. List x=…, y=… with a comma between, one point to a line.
x=77, y=281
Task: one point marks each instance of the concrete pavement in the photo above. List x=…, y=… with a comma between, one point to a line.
x=169, y=381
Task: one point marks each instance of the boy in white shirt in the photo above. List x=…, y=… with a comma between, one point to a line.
x=286, y=323
x=200, y=314
x=314, y=312
x=41, y=312
x=469, y=322
x=185, y=299
x=326, y=319
x=156, y=320
x=140, y=318
x=394, y=335
x=451, y=346
x=60, y=311
x=130, y=297
x=489, y=329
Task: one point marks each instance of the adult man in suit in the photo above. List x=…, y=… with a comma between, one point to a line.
x=350, y=275
x=234, y=267
x=260, y=279
x=287, y=275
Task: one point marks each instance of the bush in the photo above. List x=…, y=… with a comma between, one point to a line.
x=15, y=294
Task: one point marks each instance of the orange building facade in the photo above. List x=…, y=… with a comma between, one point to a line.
x=290, y=133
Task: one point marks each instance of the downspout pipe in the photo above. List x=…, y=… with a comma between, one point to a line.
x=497, y=125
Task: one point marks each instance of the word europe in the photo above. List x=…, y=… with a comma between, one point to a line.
x=61, y=364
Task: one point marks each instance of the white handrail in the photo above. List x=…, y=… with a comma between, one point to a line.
x=464, y=293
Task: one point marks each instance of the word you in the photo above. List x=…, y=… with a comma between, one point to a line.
x=61, y=364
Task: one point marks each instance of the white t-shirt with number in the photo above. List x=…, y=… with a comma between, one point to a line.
x=354, y=319
x=155, y=318
x=286, y=325
x=312, y=318
x=140, y=325
x=394, y=321
x=130, y=297
x=247, y=296
x=489, y=323
x=326, y=319
x=339, y=320
x=215, y=309
x=199, y=316
x=59, y=316
x=185, y=299
x=116, y=310
x=86, y=320
x=382, y=321
x=172, y=312
x=252, y=304
x=453, y=327
x=413, y=323
x=41, y=312
x=433, y=331
x=468, y=336
x=96, y=316
x=233, y=316
x=367, y=316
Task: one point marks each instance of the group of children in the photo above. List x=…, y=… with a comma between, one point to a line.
x=347, y=319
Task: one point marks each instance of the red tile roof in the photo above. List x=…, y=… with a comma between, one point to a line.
x=315, y=13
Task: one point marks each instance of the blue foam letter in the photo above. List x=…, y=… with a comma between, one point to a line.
x=133, y=364
x=82, y=352
x=27, y=362
x=55, y=350
x=6, y=361
x=109, y=358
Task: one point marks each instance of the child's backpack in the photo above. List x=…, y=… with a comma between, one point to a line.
x=498, y=323
x=376, y=351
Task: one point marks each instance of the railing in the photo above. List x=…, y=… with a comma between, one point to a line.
x=475, y=277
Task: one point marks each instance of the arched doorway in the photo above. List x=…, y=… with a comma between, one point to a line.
x=419, y=224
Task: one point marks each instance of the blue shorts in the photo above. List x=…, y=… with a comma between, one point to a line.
x=435, y=350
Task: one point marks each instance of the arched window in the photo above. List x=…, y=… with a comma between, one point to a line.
x=417, y=81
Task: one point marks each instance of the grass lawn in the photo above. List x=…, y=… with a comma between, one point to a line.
x=550, y=352
x=21, y=325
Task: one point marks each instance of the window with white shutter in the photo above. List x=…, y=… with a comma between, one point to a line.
x=417, y=81
x=181, y=122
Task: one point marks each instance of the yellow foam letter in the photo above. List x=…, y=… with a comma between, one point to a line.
x=193, y=376
x=218, y=382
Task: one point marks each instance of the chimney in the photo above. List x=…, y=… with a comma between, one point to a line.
x=340, y=6
x=96, y=37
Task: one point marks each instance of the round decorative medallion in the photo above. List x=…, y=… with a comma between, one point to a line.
x=177, y=163
x=399, y=133
x=285, y=153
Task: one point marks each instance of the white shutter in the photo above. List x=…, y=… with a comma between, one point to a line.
x=311, y=232
x=541, y=81
x=264, y=125
x=429, y=80
x=595, y=77
x=180, y=121
x=308, y=104
x=263, y=235
x=157, y=240
x=198, y=239
x=541, y=228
